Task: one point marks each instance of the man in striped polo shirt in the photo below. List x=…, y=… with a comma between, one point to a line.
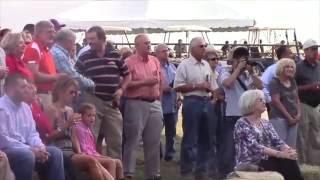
x=102, y=64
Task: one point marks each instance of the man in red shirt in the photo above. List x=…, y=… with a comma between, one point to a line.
x=40, y=61
x=143, y=112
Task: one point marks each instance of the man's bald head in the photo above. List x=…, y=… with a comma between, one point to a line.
x=197, y=47
x=41, y=26
x=162, y=52
x=142, y=44
x=44, y=32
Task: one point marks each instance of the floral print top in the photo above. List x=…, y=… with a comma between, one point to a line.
x=250, y=141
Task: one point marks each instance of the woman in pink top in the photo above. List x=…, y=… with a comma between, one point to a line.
x=85, y=142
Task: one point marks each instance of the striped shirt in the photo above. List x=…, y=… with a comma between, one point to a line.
x=104, y=71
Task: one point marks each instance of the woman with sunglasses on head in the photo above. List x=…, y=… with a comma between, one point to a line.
x=258, y=146
x=63, y=119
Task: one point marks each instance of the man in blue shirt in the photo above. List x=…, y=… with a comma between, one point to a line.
x=19, y=138
x=169, y=99
x=61, y=51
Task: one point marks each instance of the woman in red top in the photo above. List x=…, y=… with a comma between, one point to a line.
x=14, y=44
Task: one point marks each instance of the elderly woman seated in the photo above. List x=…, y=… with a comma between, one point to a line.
x=258, y=144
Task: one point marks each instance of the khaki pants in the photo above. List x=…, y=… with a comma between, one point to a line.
x=5, y=171
x=142, y=119
x=308, y=142
x=109, y=123
x=46, y=100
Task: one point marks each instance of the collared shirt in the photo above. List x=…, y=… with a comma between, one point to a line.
x=168, y=99
x=86, y=139
x=65, y=64
x=141, y=70
x=307, y=74
x=232, y=94
x=17, y=126
x=2, y=64
x=104, y=71
x=16, y=65
x=266, y=78
x=36, y=53
x=191, y=71
x=250, y=141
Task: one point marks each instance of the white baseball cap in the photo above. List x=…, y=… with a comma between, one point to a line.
x=309, y=43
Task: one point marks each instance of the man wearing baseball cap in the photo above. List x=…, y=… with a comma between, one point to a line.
x=56, y=24
x=308, y=81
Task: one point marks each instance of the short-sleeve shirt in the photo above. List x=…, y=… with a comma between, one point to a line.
x=169, y=98
x=142, y=69
x=287, y=97
x=232, y=94
x=191, y=71
x=36, y=53
x=86, y=139
x=104, y=71
x=307, y=74
x=16, y=65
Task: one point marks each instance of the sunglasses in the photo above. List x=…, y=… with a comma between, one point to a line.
x=202, y=46
x=213, y=59
x=261, y=100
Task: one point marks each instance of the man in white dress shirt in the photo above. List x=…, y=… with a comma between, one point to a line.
x=19, y=138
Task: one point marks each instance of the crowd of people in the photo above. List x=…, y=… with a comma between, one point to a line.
x=58, y=106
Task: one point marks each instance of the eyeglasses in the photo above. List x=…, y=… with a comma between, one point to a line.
x=213, y=59
x=202, y=46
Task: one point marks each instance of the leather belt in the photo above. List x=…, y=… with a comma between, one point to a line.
x=146, y=99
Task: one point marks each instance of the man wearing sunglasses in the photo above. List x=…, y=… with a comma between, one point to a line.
x=308, y=81
x=193, y=79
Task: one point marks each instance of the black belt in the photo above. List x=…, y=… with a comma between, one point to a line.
x=202, y=98
x=146, y=99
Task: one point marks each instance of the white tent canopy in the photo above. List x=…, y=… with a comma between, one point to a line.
x=154, y=15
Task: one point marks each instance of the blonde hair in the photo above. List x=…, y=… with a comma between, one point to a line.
x=282, y=63
x=10, y=41
x=61, y=85
x=248, y=99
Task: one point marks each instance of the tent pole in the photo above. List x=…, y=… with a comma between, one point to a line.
x=208, y=37
x=169, y=37
x=125, y=34
x=165, y=35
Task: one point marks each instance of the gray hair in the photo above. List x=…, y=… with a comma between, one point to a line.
x=65, y=34
x=41, y=25
x=159, y=46
x=10, y=42
x=282, y=63
x=248, y=99
x=209, y=51
x=194, y=41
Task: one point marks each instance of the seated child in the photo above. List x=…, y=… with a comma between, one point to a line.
x=85, y=142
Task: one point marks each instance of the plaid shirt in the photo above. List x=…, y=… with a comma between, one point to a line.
x=65, y=64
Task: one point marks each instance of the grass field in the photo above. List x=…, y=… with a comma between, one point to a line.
x=170, y=170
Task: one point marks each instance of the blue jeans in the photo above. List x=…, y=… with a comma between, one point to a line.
x=226, y=145
x=195, y=146
x=23, y=163
x=170, y=121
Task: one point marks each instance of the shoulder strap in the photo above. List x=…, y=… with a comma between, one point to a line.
x=244, y=87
